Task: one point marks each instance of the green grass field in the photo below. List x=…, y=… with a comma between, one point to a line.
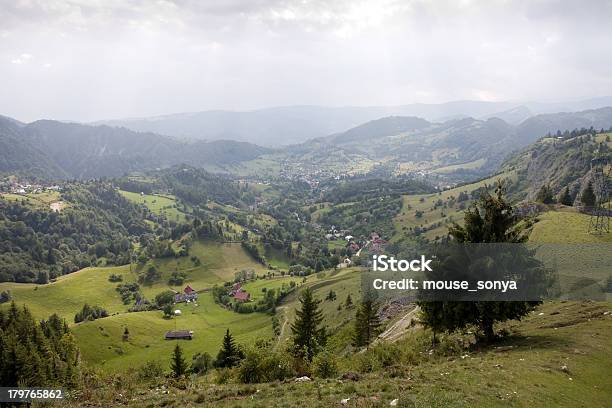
x=277, y=258
x=342, y=282
x=165, y=205
x=255, y=288
x=565, y=227
x=41, y=200
x=66, y=296
x=436, y=221
x=102, y=345
x=476, y=164
x=218, y=263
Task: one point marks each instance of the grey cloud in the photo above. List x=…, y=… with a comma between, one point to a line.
x=104, y=59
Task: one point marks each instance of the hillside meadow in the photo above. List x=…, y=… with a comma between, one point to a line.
x=420, y=210
x=102, y=345
x=165, y=205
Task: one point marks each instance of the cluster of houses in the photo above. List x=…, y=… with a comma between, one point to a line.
x=238, y=294
x=334, y=233
x=14, y=187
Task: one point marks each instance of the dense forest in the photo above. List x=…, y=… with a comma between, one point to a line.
x=35, y=354
x=38, y=244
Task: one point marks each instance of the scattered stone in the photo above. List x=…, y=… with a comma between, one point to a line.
x=345, y=401
x=541, y=314
x=302, y=379
x=498, y=366
x=564, y=369
x=394, y=402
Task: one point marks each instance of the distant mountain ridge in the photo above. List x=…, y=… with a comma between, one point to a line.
x=457, y=149
x=465, y=147
x=282, y=126
x=60, y=150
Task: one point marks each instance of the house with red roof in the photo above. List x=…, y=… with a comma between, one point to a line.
x=188, y=295
x=242, y=296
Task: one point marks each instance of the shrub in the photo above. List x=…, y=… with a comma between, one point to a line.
x=150, y=370
x=115, y=278
x=325, y=365
x=201, y=363
x=264, y=365
x=90, y=313
x=164, y=298
x=223, y=376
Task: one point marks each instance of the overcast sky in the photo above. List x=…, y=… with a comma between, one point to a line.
x=100, y=59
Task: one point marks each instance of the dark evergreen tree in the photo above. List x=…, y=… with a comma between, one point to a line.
x=308, y=335
x=178, y=363
x=588, y=198
x=490, y=220
x=349, y=301
x=545, y=195
x=566, y=198
x=36, y=354
x=230, y=354
x=367, y=323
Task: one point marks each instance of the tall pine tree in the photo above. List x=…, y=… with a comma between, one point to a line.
x=178, y=363
x=230, y=354
x=566, y=197
x=588, y=196
x=367, y=323
x=490, y=220
x=308, y=335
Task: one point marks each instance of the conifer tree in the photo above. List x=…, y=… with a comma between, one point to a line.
x=367, y=323
x=490, y=220
x=230, y=354
x=34, y=354
x=566, y=198
x=545, y=195
x=349, y=301
x=588, y=195
x=308, y=335
x=178, y=363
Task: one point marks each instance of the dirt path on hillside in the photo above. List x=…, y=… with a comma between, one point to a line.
x=398, y=329
x=282, y=312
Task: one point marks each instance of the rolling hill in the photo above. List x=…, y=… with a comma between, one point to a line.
x=70, y=150
x=455, y=150
x=288, y=125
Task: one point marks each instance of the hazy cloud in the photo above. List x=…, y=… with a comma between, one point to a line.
x=101, y=59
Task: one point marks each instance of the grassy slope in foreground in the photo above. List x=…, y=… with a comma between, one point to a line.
x=67, y=295
x=525, y=370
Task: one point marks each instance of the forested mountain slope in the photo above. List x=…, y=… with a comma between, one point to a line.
x=58, y=149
